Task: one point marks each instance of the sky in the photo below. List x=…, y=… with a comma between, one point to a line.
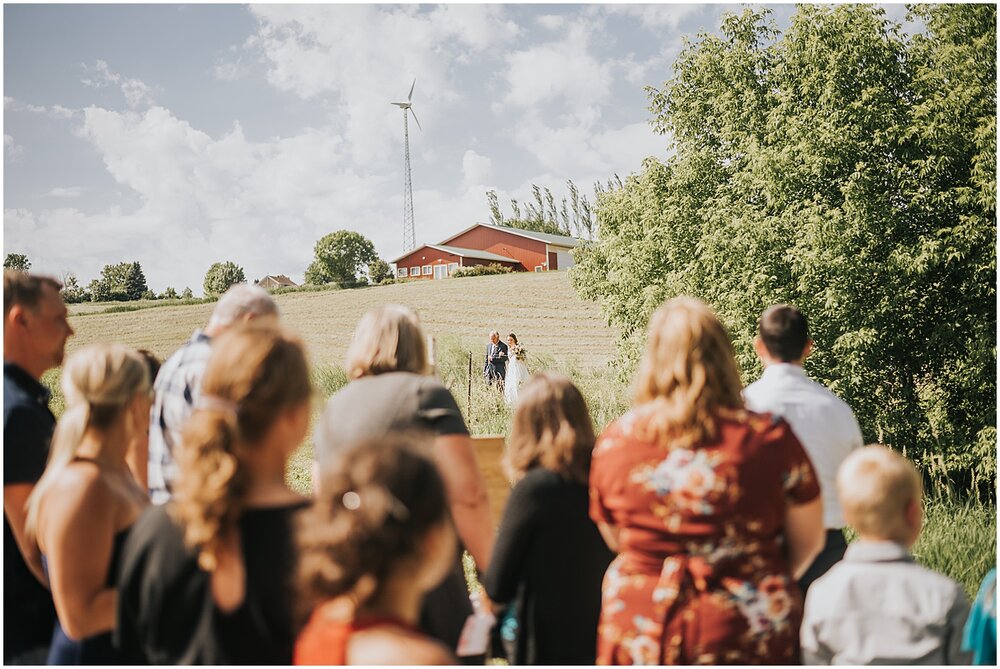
x=182, y=135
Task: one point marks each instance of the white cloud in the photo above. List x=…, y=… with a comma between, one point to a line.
x=656, y=16
x=562, y=70
x=137, y=93
x=551, y=21
x=72, y=191
x=476, y=169
x=360, y=57
x=204, y=199
x=100, y=75
x=11, y=149
x=56, y=111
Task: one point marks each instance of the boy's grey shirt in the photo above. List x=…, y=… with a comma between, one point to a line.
x=878, y=606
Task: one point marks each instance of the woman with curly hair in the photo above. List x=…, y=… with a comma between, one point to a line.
x=714, y=511
x=205, y=579
x=377, y=539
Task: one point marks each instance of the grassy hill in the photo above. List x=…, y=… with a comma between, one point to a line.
x=541, y=308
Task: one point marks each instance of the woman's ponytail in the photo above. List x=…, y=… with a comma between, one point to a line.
x=209, y=493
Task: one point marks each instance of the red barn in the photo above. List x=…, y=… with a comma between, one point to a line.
x=482, y=244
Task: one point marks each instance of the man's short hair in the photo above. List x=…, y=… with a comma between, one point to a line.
x=875, y=484
x=494, y=333
x=784, y=331
x=24, y=289
x=242, y=300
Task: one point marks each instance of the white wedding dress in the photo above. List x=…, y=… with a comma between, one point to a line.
x=517, y=373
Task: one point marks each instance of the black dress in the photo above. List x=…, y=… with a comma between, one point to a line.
x=96, y=649
x=549, y=563
x=166, y=613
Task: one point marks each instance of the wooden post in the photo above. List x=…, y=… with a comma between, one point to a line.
x=469, y=405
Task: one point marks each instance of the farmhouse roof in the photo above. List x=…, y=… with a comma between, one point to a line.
x=555, y=240
x=463, y=253
x=280, y=279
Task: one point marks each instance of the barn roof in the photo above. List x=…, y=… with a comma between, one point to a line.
x=464, y=253
x=555, y=240
x=280, y=279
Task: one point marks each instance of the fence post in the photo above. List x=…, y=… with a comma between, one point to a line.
x=470, y=384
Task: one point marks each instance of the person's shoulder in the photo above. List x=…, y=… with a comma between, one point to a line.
x=389, y=645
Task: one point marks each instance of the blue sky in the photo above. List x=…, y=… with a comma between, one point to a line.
x=181, y=135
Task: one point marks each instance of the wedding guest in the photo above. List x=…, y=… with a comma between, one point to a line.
x=980, y=636
x=34, y=338
x=822, y=421
x=549, y=558
x=82, y=508
x=378, y=538
x=713, y=510
x=391, y=391
x=206, y=578
x=178, y=384
x=137, y=456
x=878, y=606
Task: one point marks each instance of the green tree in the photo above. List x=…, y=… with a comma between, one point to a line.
x=339, y=257
x=169, y=294
x=120, y=282
x=378, y=270
x=17, y=261
x=186, y=294
x=221, y=275
x=71, y=291
x=846, y=168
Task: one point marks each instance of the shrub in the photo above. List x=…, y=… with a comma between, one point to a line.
x=221, y=275
x=481, y=270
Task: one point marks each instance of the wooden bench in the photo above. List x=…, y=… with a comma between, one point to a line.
x=490, y=452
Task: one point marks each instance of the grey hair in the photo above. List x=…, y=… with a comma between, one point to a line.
x=242, y=300
x=494, y=332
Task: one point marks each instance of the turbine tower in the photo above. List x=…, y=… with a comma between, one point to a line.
x=409, y=235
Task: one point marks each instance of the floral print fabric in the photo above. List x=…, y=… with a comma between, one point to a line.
x=702, y=576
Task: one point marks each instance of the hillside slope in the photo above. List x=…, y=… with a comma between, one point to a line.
x=541, y=308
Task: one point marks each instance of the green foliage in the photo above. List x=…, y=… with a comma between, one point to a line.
x=186, y=294
x=340, y=256
x=121, y=282
x=379, y=270
x=71, y=291
x=169, y=294
x=543, y=215
x=149, y=295
x=221, y=275
x=847, y=169
x=17, y=261
x=481, y=270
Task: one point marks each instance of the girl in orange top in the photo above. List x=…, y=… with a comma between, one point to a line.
x=377, y=539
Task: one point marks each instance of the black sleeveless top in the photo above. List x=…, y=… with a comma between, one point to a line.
x=97, y=649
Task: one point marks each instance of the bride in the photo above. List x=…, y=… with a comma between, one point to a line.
x=517, y=371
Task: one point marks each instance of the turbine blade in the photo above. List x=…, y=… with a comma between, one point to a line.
x=415, y=118
x=410, y=96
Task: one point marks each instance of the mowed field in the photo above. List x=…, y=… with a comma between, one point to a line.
x=541, y=308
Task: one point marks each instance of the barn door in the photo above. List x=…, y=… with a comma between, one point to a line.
x=440, y=271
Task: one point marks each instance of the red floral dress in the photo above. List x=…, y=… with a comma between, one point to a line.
x=702, y=576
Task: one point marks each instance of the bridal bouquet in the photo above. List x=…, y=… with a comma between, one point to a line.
x=518, y=352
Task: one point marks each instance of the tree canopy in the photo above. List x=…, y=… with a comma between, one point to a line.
x=221, y=275
x=120, y=282
x=846, y=168
x=339, y=258
x=17, y=261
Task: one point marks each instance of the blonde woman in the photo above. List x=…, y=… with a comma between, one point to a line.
x=549, y=557
x=392, y=390
x=714, y=511
x=82, y=508
x=206, y=578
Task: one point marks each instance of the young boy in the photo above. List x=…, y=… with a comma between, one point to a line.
x=878, y=606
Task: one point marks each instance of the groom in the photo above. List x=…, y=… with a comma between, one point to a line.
x=496, y=361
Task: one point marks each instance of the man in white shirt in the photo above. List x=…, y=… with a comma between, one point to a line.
x=824, y=424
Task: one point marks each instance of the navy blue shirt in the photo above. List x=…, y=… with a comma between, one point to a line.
x=29, y=615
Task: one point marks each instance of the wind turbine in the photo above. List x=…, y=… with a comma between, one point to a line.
x=409, y=235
